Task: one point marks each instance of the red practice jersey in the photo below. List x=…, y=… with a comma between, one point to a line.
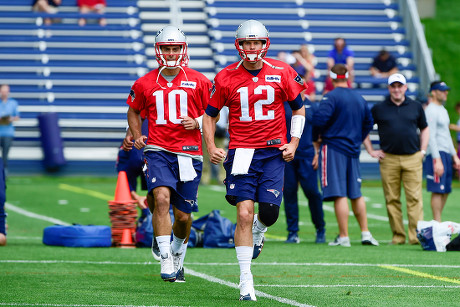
x=164, y=103
x=256, y=109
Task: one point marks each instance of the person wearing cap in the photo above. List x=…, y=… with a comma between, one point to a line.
x=343, y=120
x=441, y=152
x=401, y=153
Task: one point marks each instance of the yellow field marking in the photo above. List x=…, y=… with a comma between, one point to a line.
x=95, y=194
x=274, y=237
x=421, y=274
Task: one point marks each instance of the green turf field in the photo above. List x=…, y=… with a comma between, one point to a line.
x=32, y=274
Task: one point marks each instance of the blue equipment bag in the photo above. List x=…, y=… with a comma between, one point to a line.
x=218, y=231
x=78, y=236
x=425, y=236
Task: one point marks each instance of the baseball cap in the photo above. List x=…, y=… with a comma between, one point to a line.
x=439, y=85
x=396, y=78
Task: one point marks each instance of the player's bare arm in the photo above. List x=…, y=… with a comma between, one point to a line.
x=134, y=122
x=290, y=148
x=216, y=155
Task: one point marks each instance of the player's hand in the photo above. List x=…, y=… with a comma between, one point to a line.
x=288, y=151
x=314, y=162
x=438, y=167
x=216, y=155
x=140, y=142
x=128, y=143
x=456, y=162
x=189, y=123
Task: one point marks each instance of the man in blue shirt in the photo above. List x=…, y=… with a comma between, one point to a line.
x=303, y=170
x=341, y=54
x=344, y=121
x=8, y=114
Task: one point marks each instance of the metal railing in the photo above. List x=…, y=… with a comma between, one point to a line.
x=419, y=46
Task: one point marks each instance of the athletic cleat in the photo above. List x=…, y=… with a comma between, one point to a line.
x=292, y=238
x=176, y=260
x=167, y=268
x=320, y=236
x=367, y=239
x=339, y=241
x=180, y=275
x=247, y=292
x=155, y=250
x=258, y=239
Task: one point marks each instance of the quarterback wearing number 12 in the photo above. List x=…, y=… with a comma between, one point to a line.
x=254, y=89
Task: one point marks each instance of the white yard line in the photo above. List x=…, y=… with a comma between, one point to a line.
x=355, y=286
x=70, y=305
x=21, y=211
x=235, y=286
x=236, y=264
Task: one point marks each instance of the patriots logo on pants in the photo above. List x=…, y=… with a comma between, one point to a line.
x=275, y=192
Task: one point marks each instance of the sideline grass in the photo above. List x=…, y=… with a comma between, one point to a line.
x=305, y=273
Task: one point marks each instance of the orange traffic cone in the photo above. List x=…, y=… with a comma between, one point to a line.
x=126, y=239
x=122, y=192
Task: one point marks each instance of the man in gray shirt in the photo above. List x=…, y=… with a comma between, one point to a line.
x=441, y=151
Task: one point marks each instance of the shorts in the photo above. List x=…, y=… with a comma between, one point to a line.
x=339, y=174
x=132, y=162
x=264, y=181
x=162, y=169
x=435, y=184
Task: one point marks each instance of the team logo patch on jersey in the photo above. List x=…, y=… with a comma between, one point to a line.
x=273, y=78
x=298, y=79
x=275, y=192
x=132, y=94
x=189, y=84
x=213, y=90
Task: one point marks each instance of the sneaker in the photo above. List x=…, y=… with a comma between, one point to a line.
x=155, y=250
x=345, y=241
x=176, y=260
x=180, y=275
x=292, y=238
x=247, y=292
x=367, y=239
x=320, y=236
x=167, y=268
x=258, y=239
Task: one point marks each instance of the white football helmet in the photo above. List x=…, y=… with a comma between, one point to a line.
x=171, y=36
x=252, y=30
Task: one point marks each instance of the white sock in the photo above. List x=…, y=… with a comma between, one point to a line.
x=184, y=250
x=259, y=226
x=244, y=256
x=164, y=243
x=176, y=244
x=366, y=234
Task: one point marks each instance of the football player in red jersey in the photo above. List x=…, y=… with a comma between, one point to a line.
x=254, y=89
x=174, y=98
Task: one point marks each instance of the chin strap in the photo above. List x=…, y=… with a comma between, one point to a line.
x=162, y=68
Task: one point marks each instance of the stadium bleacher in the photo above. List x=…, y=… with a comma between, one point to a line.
x=84, y=73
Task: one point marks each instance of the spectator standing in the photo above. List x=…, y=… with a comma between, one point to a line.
x=46, y=6
x=174, y=98
x=402, y=150
x=9, y=113
x=305, y=67
x=344, y=121
x=254, y=90
x=303, y=170
x=441, y=152
x=92, y=6
x=383, y=65
x=342, y=54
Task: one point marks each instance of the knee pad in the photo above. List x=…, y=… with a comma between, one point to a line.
x=268, y=213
